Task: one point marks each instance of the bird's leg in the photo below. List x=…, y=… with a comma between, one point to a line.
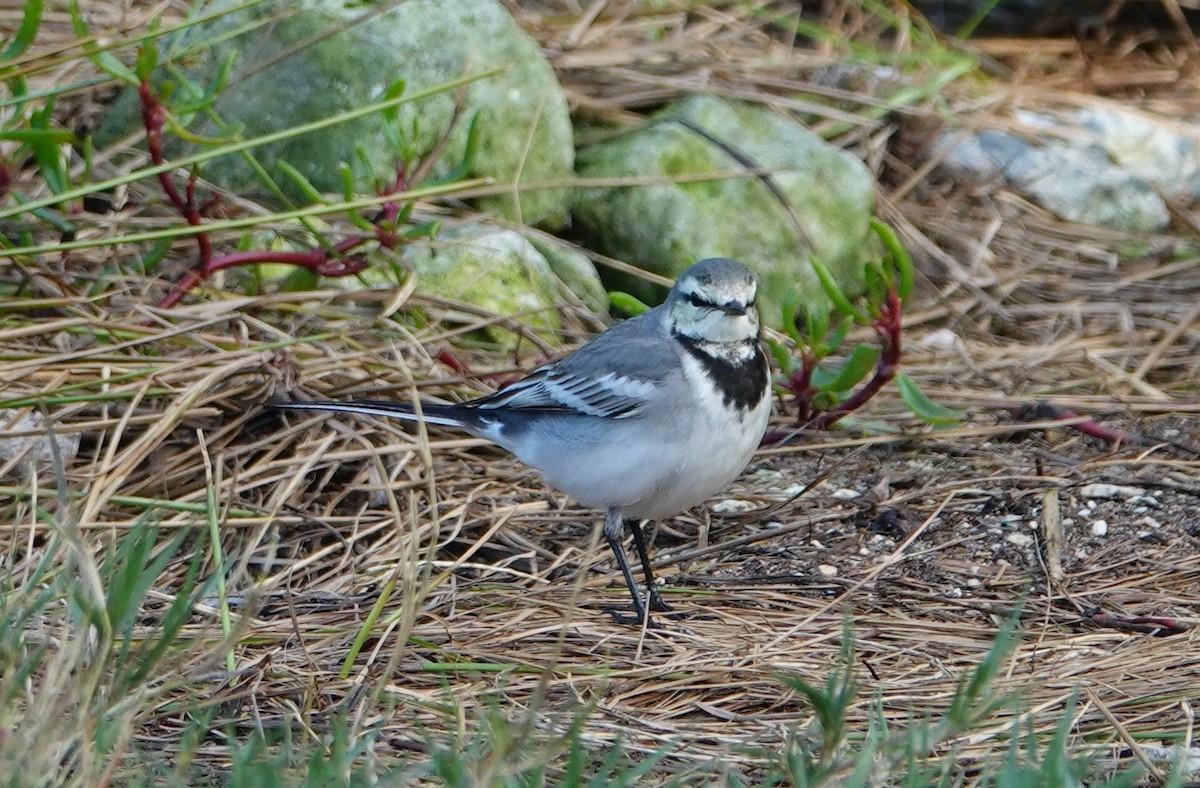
x=614, y=531
x=639, y=541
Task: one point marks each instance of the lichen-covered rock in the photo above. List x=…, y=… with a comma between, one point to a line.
x=577, y=272
x=817, y=200
x=493, y=268
x=487, y=266
x=301, y=61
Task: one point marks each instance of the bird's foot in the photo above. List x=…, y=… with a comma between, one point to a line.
x=622, y=615
x=636, y=616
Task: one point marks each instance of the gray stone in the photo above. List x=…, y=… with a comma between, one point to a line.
x=34, y=451
x=827, y=197
x=1102, y=166
x=302, y=61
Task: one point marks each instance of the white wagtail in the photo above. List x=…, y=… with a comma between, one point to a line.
x=647, y=419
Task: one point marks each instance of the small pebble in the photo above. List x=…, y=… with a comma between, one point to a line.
x=1069, y=521
x=817, y=544
x=943, y=340
x=732, y=506
x=845, y=494
x=827, y=570
x=1109, y=491
x=973, y=582
x=1019, y=539
x=1084, y=512
x=1100, y=527
x=1150, y=522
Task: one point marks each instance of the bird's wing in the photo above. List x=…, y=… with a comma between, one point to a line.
x=609, y=395
x=588, y=382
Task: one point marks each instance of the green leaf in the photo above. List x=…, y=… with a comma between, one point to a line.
x=105, y=61
x=925, y=409
x=47, y=151
x=305, y=185
x=861, y=361
x=782, y=356
x=834, y=293
x=470, y=152
x=38, y=136
x=834, y=340
x=624, y=302
x=428, y=229
x=30, y=21
x=151, y=259
x=789, y=310
x=147, y=60
x=394, y=90
x=816, y=319
x=876, y=283
x=900, y=258
x=347, y=175
x=18, y=90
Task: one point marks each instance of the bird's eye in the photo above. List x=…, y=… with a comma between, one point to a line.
x=698, y=302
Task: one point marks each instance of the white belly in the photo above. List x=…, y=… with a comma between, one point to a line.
x=648, y=468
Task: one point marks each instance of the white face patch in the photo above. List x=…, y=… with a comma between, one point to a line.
x=713, y=324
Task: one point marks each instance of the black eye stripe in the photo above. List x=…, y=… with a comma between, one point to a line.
x=697, y=301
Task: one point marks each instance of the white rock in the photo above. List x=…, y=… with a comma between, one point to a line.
x=1150, y=522
x=942, y=341
x=1019, y=539
x=1109, y=491
x=1068, y=521
x=731, y=506
x=827, y=570
x=845, y=494
x=1100, y=528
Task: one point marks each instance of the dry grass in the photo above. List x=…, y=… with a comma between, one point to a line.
x=489, y=588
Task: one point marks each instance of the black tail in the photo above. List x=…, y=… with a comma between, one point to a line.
x=431, y=413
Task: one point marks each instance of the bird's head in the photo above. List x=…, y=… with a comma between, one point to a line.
x=714, y=301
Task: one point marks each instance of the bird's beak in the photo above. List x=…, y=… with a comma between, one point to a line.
x=734, y=308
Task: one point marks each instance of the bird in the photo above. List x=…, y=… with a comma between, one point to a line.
x=649, y=418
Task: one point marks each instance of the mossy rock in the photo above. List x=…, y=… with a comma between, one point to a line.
x=816, y=200
x=296, y=62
